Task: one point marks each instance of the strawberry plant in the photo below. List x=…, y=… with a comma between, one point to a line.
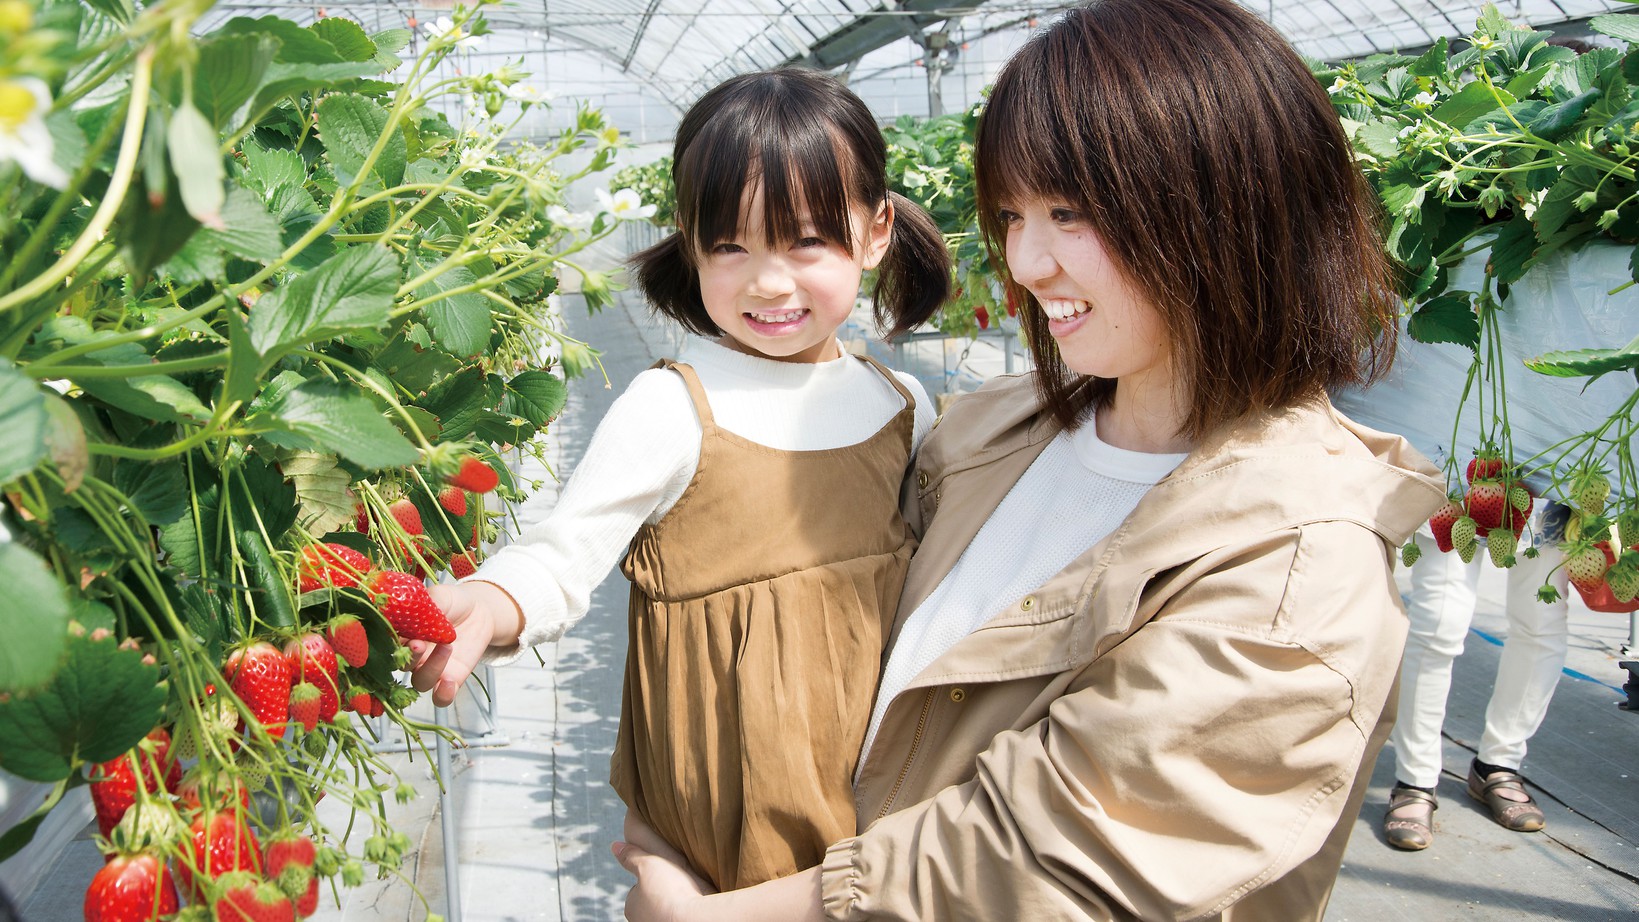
x=261, y=304
x=1497, y=158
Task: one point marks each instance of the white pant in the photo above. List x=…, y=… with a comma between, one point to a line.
x=1441, y=605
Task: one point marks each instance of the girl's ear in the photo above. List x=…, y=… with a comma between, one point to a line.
x=879, y=235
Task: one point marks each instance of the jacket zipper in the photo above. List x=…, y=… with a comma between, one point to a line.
x=916, y=743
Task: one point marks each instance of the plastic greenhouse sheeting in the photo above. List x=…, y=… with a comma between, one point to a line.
x=1561, y=304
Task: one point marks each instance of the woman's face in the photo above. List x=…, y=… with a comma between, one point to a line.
x=786, y=301
x=1104, y=325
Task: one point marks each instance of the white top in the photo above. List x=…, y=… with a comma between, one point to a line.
x=1074, y=494
x=646, y=449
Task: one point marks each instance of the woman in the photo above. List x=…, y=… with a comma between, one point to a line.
x=1145, y=653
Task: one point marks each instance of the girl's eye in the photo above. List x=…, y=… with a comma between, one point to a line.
x=723, y=249
x=805, y=242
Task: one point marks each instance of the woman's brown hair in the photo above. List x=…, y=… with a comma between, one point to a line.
x=1213, y=168
x=811, y=142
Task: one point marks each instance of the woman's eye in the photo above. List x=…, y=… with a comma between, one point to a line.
x=1005, y=216
x=1064, y=215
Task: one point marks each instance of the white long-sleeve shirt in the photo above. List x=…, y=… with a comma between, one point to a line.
x=645, y=452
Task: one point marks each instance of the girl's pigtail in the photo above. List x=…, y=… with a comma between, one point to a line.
x=914, y=277
x=670, y=285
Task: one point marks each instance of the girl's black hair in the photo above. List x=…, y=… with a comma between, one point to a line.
x=812, y=144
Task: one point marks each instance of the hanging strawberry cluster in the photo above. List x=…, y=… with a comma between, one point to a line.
x=1496, y=507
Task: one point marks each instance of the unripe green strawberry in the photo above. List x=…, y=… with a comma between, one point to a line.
x=1627, y=526
x=1463, y=534
x=1623, y=578
x=1585, y=565
x=1409, y=553
x=1592, y=490
x=1520, y=498
x=1500, y=545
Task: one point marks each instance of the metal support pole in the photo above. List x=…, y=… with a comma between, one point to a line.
x=452, y=857
x=1631, y=648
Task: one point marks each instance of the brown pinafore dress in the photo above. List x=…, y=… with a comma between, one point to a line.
x=758, y=610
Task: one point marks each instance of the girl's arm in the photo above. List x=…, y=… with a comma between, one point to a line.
x=640, y=459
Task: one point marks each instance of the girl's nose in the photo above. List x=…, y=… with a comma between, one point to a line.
x=771, y=278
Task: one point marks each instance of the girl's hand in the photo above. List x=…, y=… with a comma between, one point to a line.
x=666, y=890
x=482, y=614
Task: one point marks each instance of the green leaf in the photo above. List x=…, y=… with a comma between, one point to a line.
x=1580, y=363
x=1624, y=26
x=66, y=443
x=157, y=489
x=296, y=44
x=267, y=170
x=156, y=397
x=460, y=322
x=249, y=232
x=20, y=835
x=392, y=41
x=1557, y=120
x=1432, y=63
x=228, y=73
x=537, y=396
x=325, y=503
x=191, y=140
x=288, y=79
x=34, y=622
x=1379, y=137
x=350, y=125
x=1512, y=250
x=351, y=291
x=191, y=546
x=102, y=701
x=23, y=418
x=456, y=400
x=271, y=592
x=67, y=140
x=1449, y=318
x=1474, y=99
x=329, y=417
x=349, y=40
x=121, y=11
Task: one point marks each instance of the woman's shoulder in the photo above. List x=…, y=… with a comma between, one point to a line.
x=1004, y=412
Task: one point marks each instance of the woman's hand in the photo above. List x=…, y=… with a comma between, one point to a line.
x=482, y=614
x=666, y=890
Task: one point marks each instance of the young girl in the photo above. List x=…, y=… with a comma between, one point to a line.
x=1145, y=654
x=753, y=485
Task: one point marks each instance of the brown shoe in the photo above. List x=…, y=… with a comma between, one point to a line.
x=1409, y=822
x=1518, y=815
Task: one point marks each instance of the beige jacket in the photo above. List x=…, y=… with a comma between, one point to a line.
x=1181, y=723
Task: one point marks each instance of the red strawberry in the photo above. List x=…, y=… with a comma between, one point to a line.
x=289, y=863
x=361, y=519
x=377, y=708
x=312, y=659
x=114, y=783
x=1585, y=565
x=454, y=500
x=260, y=675
x=357, y=700
x=304, y=705
x=405, y=604
x=195, y=794
x=218, y=844
x=130, y=888
x=244, y=897
x=1486, y=501
x=330, y=564
x=347, y=637
x=1012, y=303
x=1440, y=523
x=475, y=476
x=462, y=566
x=407, y=516
x=1485, y=465
x=983, y=316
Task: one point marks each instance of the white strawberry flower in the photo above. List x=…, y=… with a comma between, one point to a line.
x=625, y=205
x=529, y=94
x=24, y=137
x=444, y=29
x=573, y=220
x=1424, y=98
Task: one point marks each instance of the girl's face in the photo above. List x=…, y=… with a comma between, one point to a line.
x=786, y=301
x=1104, y=325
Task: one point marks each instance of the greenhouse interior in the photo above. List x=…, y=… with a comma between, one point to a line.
x=362, y=363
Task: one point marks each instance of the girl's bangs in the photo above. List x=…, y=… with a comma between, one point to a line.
x=798, y=165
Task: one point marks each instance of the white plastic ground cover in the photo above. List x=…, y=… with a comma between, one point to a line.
x=1561, y=303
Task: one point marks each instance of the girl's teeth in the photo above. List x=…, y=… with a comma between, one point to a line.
x=1063, y=308
x=777, y=318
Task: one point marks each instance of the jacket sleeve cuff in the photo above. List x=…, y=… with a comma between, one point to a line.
x=839, y=879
